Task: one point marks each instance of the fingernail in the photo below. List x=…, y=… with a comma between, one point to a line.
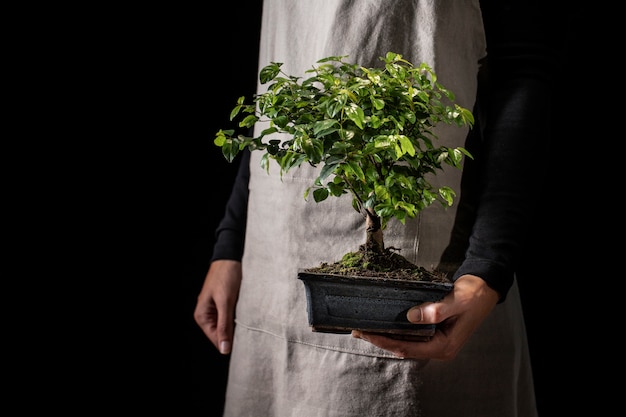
x=414, y=315
x=224, y=347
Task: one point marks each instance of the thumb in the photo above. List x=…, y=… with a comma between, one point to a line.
x=426, y=313
x=414, y=315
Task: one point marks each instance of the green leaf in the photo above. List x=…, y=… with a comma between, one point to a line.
x=378, y=103
x=235, y=112
x=248, y=121
x=406, y=145
x=230, y=151
x=356, y=170
x=220, y=138
x=447, y=194
x=355, y=113
x=269, y=72
x=337, y=189
x=313, y=149
x=281, y=121
x=320, y=194
x=327, y=169
x=324, y=127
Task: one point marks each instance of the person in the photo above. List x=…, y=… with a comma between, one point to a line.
x=493, y=57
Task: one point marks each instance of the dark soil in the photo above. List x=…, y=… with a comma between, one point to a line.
x=386, y=264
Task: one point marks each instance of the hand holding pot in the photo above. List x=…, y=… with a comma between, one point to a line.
x=460, y=313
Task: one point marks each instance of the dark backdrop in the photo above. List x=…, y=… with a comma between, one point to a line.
x=215, y=58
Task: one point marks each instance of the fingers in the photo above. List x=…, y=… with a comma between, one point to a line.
x=205, y=316
x=215, y=309
x=433, y=349
x=224, y=331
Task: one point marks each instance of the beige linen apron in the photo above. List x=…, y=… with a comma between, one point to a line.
x=278, y=366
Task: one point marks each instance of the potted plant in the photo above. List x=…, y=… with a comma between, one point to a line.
x=370, y=131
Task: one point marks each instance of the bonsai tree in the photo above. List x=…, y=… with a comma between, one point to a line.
x=369, y=129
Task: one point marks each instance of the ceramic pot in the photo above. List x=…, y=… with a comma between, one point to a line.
x=339, y=304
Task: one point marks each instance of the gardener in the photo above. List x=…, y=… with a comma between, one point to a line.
x=477, y=364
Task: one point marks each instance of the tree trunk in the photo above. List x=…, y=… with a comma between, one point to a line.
x=374, y=233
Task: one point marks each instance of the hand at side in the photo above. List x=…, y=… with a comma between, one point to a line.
x=215, y=308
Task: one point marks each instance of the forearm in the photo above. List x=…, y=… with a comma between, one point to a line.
x=230, y=233
x=514, y=112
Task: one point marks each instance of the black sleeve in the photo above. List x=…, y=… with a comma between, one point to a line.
x=231, y=231
x=513, y=129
